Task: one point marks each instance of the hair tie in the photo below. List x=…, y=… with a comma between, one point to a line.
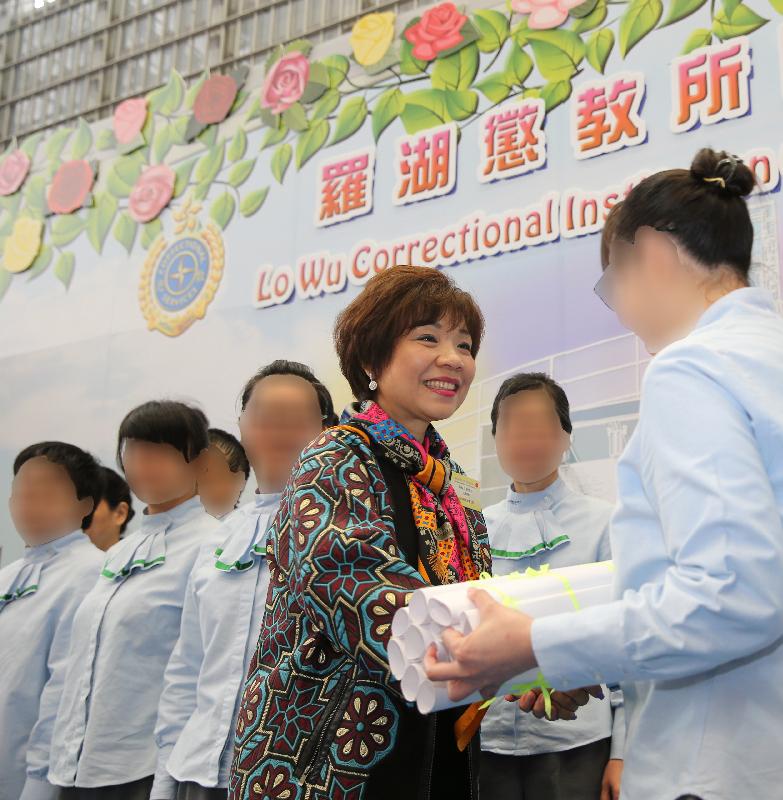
x=732, y=161
x=716, y=180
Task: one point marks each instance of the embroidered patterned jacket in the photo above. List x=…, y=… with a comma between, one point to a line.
x=317, y=712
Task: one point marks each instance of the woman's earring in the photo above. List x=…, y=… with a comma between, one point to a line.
x=373, y=385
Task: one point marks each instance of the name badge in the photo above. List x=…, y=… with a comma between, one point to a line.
x=468, y=491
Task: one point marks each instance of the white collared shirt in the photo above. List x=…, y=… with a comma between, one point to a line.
x=221, y=620
x=122, y=637
x=34, y=633
x=562, y=528
x=695, y=636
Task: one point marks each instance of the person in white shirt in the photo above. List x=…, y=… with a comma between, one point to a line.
x=695, y=634
x=54, y=491
x=113, y=513
x=284, y=407
x=225, y=474
x=103, y=745
x=543, y=521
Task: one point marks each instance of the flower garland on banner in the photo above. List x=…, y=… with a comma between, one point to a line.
x=450, y=64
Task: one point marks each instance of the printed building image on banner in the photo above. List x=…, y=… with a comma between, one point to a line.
x=215, y=225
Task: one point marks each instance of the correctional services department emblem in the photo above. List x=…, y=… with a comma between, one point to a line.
x=180, y=276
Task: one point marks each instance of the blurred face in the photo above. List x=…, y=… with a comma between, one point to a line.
x=281, y=417
x=428, y=377
x=529, y=439
x=649, y=287
x=158, y=473
x=43, y=502
x=219, y=488
x=104, y=531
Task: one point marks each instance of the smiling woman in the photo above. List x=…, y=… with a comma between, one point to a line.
x=370, y=514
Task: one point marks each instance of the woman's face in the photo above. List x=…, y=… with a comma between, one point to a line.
x=104, y=530
x=281, y=417
x=428, y=377
x=218, y=487
x=158, y=473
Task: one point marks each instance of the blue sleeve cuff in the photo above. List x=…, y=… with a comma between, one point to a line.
x=582, y=648
x=38, y=789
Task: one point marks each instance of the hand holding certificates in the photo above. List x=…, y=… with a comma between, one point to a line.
x=445, y=647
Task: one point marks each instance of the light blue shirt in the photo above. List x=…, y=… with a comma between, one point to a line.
x=40, y=594
x=562, y=528
x=122, y=637
x=696, y=634
x=221, y=620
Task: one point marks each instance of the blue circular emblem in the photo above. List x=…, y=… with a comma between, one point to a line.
x=181, y=274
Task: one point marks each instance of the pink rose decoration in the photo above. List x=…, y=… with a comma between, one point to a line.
x=285, y=82
x=214, y=99
x=151, y=192
x=545, y=14
x=437, y=30
x=129, y=118
x=13, y=170
x=70, y=187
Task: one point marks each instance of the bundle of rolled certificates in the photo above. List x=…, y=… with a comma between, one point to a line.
x=433, y=609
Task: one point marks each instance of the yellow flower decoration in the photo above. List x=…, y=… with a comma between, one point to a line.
x=22, y=246
x=372, y=36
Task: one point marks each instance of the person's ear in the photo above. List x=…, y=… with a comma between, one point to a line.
x=565, y=443
x=121, y=513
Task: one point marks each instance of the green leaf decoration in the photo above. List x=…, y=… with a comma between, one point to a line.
x=599, y=47
x=65, y=228
x=179, y=128
x=595, y=18
x=328, y=102
x=493, y=28
x=317, y=84
x=312, y=140
x=124, y=174
x=30, y=145
x=105, y=139
x=208, y=136
x=281, y=158
x=457, y=71
x=777, y=5
x=182, y=174
x=555, y=93
x=175, y=94
x=700, y=37
x=729, y=6
x=295, y=117
x=386, y=109
x=679, y=9
x=273, y=136
x=584, y=9
x=193, y=90
x=5, y=280
x=558, y=53
x=99, y=219
x=239, y=101
x=425, y=108
x=253, y=201
x=495, y=87
x=742, y=21
x=149, y=232
x=125, y=230
x=240, y=172
x=254, y=110
x=269, y=119
x=35, y=195
x=63, y=268
x=408, y=64
x=350, y=119
x=201, y=191
x=41, y=262
x=56, y=142
x=238, y=146
x=461, y=104
x=337, y=67
x=639, y=19
x=222, y=209
x=210, y=164
x=519, y=65
x=298, y=46
x=162, y=142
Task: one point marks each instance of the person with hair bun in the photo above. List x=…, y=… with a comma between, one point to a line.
x=695, y=636
x=225, y=474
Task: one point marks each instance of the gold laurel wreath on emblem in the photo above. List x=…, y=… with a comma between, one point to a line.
x=188, y=226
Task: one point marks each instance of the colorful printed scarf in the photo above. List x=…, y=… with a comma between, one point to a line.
x=445, y=532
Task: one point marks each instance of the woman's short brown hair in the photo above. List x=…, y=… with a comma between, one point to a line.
x=393, y=303
x=607, y=234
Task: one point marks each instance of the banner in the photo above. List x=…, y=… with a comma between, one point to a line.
x=204, y=231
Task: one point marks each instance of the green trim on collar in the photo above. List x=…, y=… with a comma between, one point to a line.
x=550, y=545
x=107, y=573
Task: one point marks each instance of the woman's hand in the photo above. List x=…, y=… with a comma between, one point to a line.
x=564, y=704
x=496, y=651
x=610, y=785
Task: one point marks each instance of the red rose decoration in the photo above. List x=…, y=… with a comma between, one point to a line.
x=129, y=118
x=151, y=192
x=70, y=187
x=214, y=99
x=437, y=30
x=13, y=170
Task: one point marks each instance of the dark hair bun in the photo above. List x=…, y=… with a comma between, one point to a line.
x=723, y=172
